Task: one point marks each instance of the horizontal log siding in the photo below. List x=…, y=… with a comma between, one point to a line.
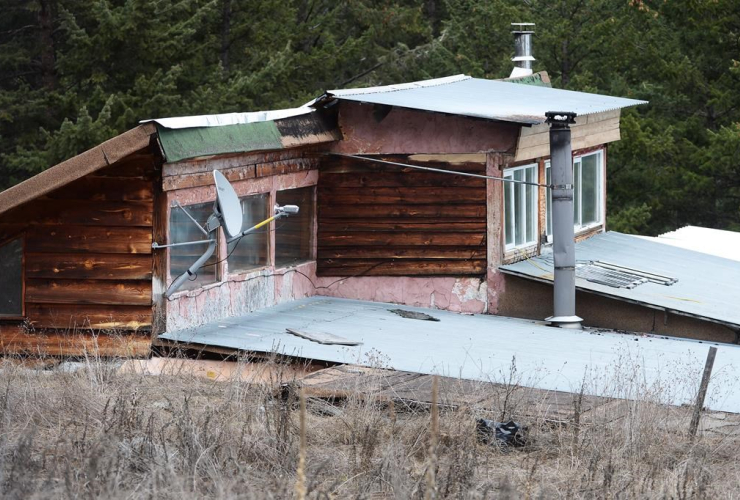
x=88, y=260
x=377, y=220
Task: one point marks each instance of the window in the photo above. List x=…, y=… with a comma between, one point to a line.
x=520, y=207
x=181, y=258
x=293, y=233
x=11, y=279
x=587, y=192
x=252, y=250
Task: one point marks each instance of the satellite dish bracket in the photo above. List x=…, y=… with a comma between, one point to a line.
x=227, y=213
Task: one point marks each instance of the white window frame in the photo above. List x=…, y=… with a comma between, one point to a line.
x=578, y=194
x=521, y=210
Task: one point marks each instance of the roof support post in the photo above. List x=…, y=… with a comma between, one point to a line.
x=564, y=253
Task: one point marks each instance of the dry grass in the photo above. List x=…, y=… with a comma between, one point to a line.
x=99, y=433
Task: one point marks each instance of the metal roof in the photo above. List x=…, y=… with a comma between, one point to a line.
x=480, y=347
x=725, y=244
x=707, y=286
x=480, y=98
x=223, y=119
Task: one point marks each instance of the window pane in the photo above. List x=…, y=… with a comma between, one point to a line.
x=519, y=208
x=181, y=258
x=577, y=193
x=509, y=211
x=293, y=234
x=11, y=278
x=531, y=221
x=589, y=189
x=253, y=249
x=548, y=208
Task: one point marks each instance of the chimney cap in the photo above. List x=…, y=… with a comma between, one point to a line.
x=523, y=27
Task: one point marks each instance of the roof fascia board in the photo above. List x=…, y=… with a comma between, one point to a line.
x=77, y=167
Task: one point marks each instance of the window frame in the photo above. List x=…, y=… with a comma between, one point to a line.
x=509, y=174
x=311, y=232
x=22, y=238
x=219, y=244
x=578, y=194
x=269, y=250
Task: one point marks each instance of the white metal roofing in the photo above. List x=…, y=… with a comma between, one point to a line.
x=489, y=99
x=228, y=118
x=708, y=287
x=725, y=244
x=481, y=347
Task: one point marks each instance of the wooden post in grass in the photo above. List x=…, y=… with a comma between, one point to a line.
x=694, y=425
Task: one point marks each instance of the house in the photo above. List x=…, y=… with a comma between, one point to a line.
x=77, y=238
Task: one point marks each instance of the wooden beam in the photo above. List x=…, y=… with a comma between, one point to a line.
x=60, y=291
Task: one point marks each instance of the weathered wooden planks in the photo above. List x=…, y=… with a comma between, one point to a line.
x=88, y=239
x=235, y=169
x=68, y=291
x=75, y=317
x=407, y=267
x=396, y=221
x=14, y=340
x=89, y=266
x=84, y=212
x=88, y=255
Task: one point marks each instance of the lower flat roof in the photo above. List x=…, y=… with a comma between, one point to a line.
x=482, y=347
x=707, y=286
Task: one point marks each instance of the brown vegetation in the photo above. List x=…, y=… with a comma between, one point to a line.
x=98, y=432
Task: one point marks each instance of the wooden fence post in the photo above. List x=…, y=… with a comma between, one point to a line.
x=694, y=425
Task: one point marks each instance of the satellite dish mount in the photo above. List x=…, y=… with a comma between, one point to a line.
x=227, y=213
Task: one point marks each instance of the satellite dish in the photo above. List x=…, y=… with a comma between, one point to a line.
x=227, y=213
x=228, y=204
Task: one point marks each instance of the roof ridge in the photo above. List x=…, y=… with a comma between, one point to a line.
x=381, y=89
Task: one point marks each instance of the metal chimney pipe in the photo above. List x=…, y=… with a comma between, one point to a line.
x=523, y=45
x=564, y=251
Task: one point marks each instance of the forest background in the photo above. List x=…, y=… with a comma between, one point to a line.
x=74, y=73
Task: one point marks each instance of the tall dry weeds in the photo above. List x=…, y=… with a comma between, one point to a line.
x=100, y=433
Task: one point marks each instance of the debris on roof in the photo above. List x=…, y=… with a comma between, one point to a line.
x=701, y=285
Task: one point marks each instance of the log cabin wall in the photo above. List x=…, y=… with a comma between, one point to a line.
x=378, y=220
x=87, y=260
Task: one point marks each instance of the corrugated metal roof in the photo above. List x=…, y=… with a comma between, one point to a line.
x=479, y=347
x=489, y=99
x=725, y=244
x=708, y=287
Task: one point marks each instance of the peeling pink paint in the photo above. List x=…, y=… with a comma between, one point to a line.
x=466, y=295
x=407, y=131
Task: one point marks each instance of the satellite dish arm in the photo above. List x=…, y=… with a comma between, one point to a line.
x=192, y=269
x=280, y=212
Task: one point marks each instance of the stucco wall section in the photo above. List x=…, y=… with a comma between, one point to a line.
x=405, y=131
x=239, y=294
x=466, y=295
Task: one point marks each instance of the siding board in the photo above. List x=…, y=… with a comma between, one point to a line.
x=378, y=220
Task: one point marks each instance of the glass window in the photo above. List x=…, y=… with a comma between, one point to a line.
x=520, y=207
x=252, y=250
x=587, y=192
x=11, y=278
x=293, y=233
x=181, y=258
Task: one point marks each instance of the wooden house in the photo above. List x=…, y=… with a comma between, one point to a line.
x=79, y=267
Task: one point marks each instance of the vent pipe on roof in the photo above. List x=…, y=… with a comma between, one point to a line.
x=522, y=49
x=563, y=246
